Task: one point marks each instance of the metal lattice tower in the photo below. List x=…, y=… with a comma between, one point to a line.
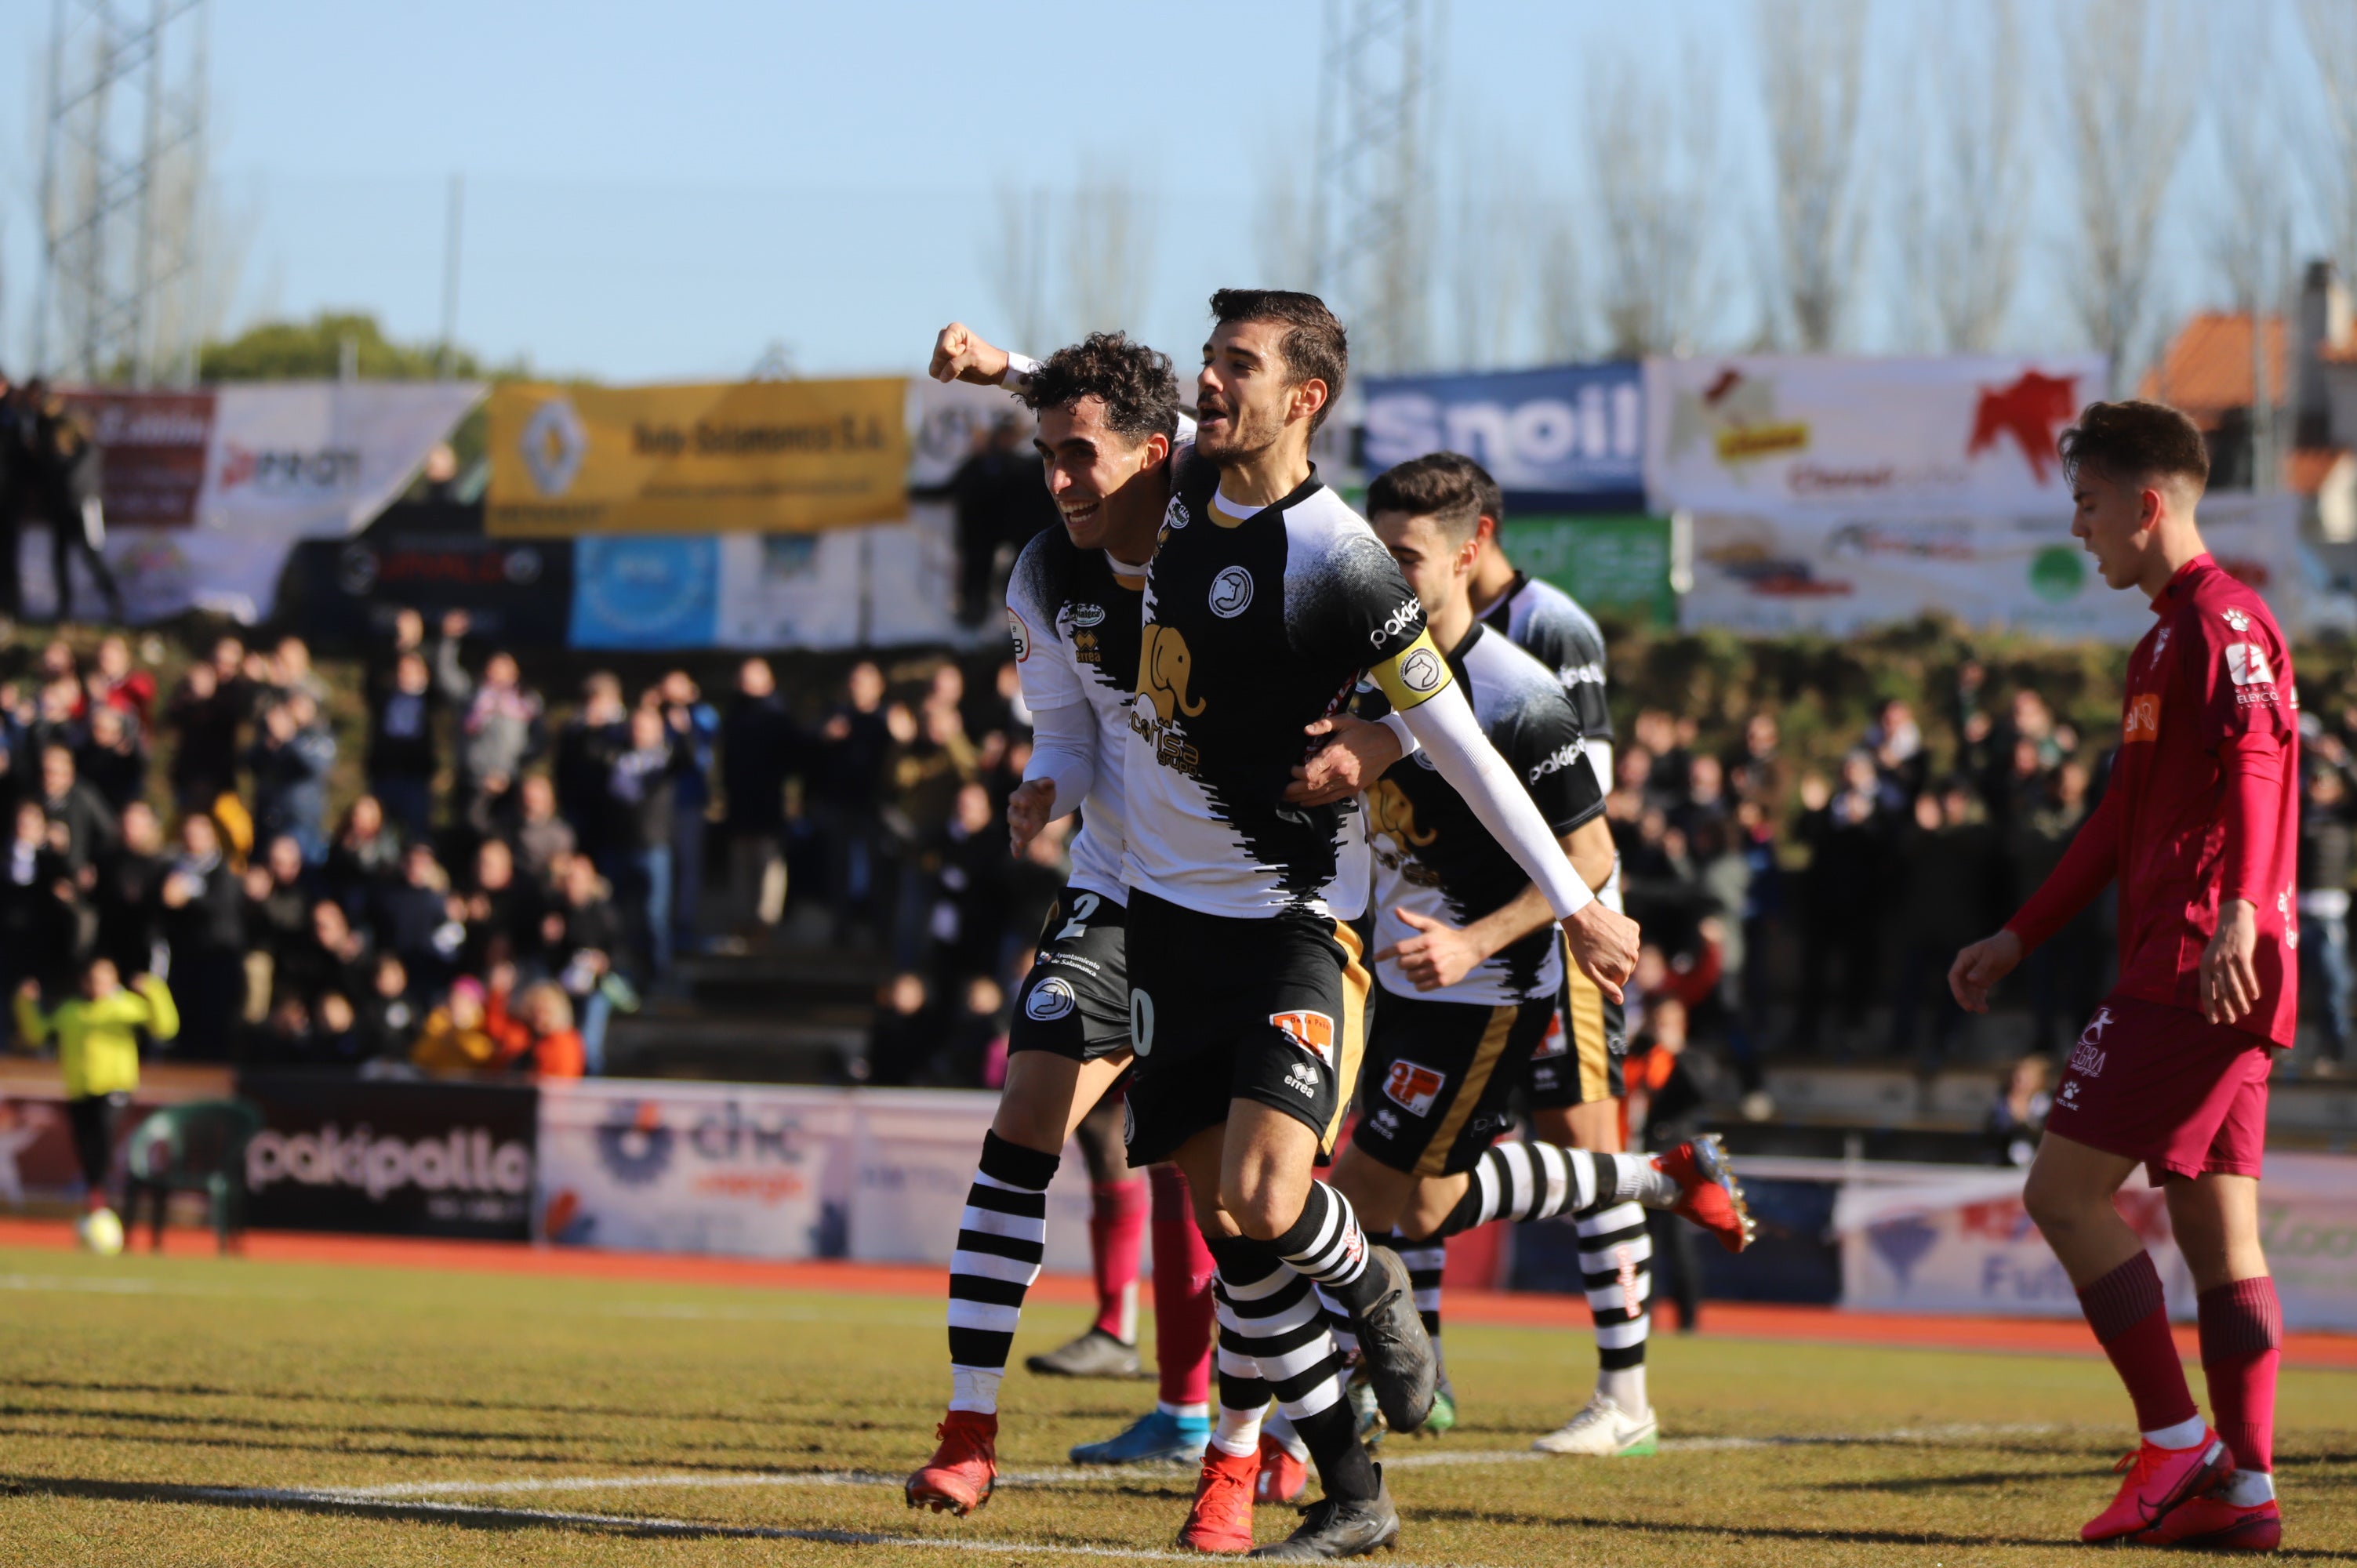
x=1370, y=208
x=121, y=172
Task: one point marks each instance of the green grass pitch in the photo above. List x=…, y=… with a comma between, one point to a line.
x=191, y=1411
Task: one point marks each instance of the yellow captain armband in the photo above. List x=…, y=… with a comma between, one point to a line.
x=1414, y=675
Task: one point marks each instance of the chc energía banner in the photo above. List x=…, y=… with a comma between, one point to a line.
x=1962, y=435
x=759, y=456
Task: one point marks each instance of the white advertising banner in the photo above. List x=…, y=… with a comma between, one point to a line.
x=947, y=423
x=878, y=585
x=730, y=1169
x=1965, y=1244
x=1774, y=572
x=1969, y=434
x=280, y=461
x=916, y=1155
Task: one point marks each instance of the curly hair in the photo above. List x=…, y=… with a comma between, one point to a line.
x=2130, y=441
x=1136, y=383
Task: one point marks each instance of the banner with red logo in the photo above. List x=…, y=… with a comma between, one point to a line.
x=206, y=491
x=1964, y=1243
x=1961, y=434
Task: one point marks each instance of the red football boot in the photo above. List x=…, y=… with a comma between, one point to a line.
x=965, y=1469
x=1709, y=1195
x=1222, y=1519
x=2159, y=1479
x=1282, y=1476
x=2212, y=1521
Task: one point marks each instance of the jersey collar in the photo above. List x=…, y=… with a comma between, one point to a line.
x=1465, y=646
x=2181, y=581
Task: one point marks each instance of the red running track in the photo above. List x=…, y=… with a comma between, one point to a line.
x=1745, y=1320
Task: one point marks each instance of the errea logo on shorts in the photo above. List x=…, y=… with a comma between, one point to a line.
x=1303, y=1077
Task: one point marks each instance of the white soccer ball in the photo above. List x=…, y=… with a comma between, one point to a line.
x=100, y=1232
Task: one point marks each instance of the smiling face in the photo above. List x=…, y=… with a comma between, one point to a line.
x=1245, y=400
x=1099, y=478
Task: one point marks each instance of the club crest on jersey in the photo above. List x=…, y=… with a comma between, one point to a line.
x=1088, y=615
x=1414, y=1087
x=1421, y=670
x=1050, y=1001
x=1313, y=1032
x=1020, y=633
x=1231, y=592
x=1175, y=514
x=2246, y=665
x=2142, y=721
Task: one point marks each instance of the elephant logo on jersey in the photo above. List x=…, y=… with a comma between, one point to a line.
x=1392, y=814
x=1313, y=1032
x=1163, y=669
x=1414, y=1087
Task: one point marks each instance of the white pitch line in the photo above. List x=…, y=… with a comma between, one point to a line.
x=1064, y=1475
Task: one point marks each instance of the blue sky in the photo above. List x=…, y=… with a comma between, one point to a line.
x=658, y=192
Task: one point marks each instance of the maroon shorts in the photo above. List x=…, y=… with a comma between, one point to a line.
x=2166, y=1086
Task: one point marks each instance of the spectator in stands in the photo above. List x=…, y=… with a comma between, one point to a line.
x=91, y=829
x=931, y=761
x=366, y=854
x=503, y=911
x=499, y=734
x=541, y=837
x=585, y=752
x=2325, y=816
x=403, y=706
x=121, y=684
x=581, y=935
x=964, y=891
x=2068, y=975
x=1899, y=760
x=112, y=756
x=330, y=956
x=760, y=746
x=456, y=1041
x=2017, y=1115
x=64, y=471
x=1944, y=863
x=1848, y=834
x=202, y=719
x=905, y=1033
x=537, y=1036
x=36, y=893
x=642, y=789
x=290, y=759
x=128, y=895
x=277, y=913
x=415, y=917
x=847, y=786
x=1000, y=502
x=387, y=1016
x=203, y=921
x=695, y=728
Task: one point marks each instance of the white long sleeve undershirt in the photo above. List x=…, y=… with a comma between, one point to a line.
x=1445, y=726
x=1064, y=751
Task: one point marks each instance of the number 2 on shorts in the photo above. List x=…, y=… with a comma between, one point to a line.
x=1084, y=905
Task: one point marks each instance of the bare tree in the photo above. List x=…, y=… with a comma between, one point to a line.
x=1652, y=154
x=1562, y=308
x=2127, y=124
x=1284, y=232
x=1014, y=262
x=2249, y=243
x=1811, y=61
x=1108, y=253
x=1967, y=184
x=2331, y=27
x=1490, y=248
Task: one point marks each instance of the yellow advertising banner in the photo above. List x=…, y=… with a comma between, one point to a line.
x=743, y=457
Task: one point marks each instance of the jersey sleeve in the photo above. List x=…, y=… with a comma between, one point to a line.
x=1365, y=614
x=2242, y=684
x=1548, y=750
x=1043, y=664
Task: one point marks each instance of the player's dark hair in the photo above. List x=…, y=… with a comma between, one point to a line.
x=1447, y=487
x=1315, y=346
x=1136, y=383
x=2136, y=440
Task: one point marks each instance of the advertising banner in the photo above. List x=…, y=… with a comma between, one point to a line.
x=761, y=456
x=883, y=584
x=518, y=592
x=207, y=492
x=1957, y=436
x=1965, y=1244
x=1605, y=561
x=413, y=1159
x=1571, y=431
x=1772, y=573
x=947, y=423
x=914, y=1163
x=719, y=1168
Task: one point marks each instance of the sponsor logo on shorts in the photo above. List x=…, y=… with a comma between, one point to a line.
x=1231, y=592
x=1050, y=1000
x=1313, y=1032
x=1555, y=1042
x=2088, y=1055
x=2246, y=665
x=1414, y=1087
x=2142, y=721
x=1302, y=1076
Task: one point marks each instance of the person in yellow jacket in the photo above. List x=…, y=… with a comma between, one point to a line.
x=97, y=1035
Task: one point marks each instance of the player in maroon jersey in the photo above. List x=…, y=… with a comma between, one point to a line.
x=2200, y=825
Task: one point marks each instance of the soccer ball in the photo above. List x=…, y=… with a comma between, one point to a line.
x=100, y=1232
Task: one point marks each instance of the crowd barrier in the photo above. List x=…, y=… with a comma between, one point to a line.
x=880, y=1176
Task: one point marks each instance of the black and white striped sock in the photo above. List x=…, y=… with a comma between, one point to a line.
x=1616, y=1267
x=1539, y=1181
x=1326, y=1245
x=1270, y=1316
x=1001, y=1237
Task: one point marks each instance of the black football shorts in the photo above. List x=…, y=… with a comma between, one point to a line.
x=1579, y=1063
x=1434, y=1092
x=1075, y=1000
